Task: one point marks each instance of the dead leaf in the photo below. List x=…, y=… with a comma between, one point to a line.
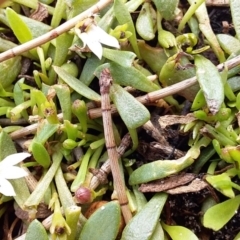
x=40, y=13
x=195, y=186
x=168, y=120
x=167, y=183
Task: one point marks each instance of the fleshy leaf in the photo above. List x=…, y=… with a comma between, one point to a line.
x=132, y=112
x=210, y=82
x=179, y=232
x=106, y=220
x=123, y=16
x=159, y=169
x=36, y=231
x=123, y=58
x=166, y=8
x=217, y=216
x=222, y=183
x=235, y=6
x=75, y=84
x=228, y=43
x=9, y=71
x=40, y=154
x=18, y=26
x=140, y=229
x=128, y=76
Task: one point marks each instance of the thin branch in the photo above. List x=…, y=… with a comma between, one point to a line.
x=100, y=175
x=105, y=82
x=66, y=26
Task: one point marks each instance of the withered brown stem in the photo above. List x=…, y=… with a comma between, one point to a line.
x=105, y=82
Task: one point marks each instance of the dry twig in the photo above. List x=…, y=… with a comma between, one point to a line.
x=105, y=82
x=100, y=175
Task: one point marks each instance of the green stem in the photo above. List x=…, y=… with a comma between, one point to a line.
x=80, y=178
x=72, y=215
x=189, y=14
x=223, y=139
x=38, y=194
x=134, y=136
x=63, y=190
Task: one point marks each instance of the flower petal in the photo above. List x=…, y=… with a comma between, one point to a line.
x=83, y=36
x=96, y=48
x=13, y=159
x=13, y=172
x=6, y=188
x=103, y=37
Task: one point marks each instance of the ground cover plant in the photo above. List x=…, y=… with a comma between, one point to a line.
x=119, y=119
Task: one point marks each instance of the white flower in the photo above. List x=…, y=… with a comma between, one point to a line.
x=9, y=171
x=93, y=36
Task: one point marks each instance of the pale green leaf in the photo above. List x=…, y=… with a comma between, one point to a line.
x=103, y=224
x=235, y=6
x=217, y=216
x=36, y=231
x=75, y=84
x=159, y=169
x=132, y=112
x=179, y=232
x=123, y=58
x=142, y=225
x=228, y=43
x=166, y=8
x=210, y=82
x=18, y=26
x=123, y=16
x=128, y=76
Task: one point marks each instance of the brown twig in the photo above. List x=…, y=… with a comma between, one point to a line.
x=66, y=26
x=101, y=174
x=105, y=82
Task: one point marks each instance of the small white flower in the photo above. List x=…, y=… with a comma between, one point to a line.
x=93, y=36
x=9, y=171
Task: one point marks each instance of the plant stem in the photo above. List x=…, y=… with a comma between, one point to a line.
x=105, y=83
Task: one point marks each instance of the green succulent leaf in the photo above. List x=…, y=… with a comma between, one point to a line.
x=128, y=76
x=228, y=43
x=218, y=215
x=222, y=183
x=132, y=112
x=41, y=155
x=138, y=228
x=235, y=6
x=36, y=231
x=75, y=84
x=106, y=220
x=18, y=26
x=179, y=232
x=210, y=82
x=159, y=169
x=123, y=58
x=9, y=71
x=166, y=8
x=123, y=16
x=144, y=23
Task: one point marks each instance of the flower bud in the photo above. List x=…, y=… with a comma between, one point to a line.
x=83, y=195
